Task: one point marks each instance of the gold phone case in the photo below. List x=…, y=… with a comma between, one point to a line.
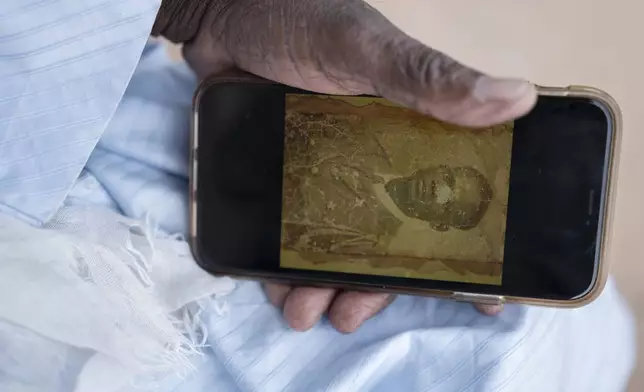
x=606, y=218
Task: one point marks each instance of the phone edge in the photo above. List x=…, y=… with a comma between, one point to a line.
x=607, y=217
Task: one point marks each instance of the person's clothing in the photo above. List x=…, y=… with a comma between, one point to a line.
x=64, y=65
x=98, y=300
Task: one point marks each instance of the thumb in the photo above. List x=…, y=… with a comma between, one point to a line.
x=359, y=49
x=431, y=82
x=348, y=47
x=489, y=310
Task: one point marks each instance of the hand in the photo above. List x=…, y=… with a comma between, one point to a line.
x=304, y=306
x=337, y=47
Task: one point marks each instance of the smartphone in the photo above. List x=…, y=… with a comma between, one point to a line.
x=359, y=193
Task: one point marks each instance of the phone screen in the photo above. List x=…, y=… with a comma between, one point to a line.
x=296, y=185
x=373, y=188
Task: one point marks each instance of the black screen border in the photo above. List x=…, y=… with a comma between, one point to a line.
x=267, y=93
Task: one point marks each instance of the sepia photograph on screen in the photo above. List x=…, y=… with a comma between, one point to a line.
x=373, y=188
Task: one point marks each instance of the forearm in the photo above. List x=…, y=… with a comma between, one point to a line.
x=179, y=20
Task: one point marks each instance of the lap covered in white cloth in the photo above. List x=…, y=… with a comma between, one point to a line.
x=94, y=301
x=102, y=306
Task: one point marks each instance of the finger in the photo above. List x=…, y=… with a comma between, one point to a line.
x=489, y=310
x=277, y=293
x=348, y=47
x=369, y=54
x=305, y=306
x=431, y=82
x=350, y=309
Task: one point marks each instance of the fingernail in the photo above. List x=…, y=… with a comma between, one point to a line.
x=351, y=322
x=302, y=322
x=489, y=88
x=490, y=310
x=351, y=319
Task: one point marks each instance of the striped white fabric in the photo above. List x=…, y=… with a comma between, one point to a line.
x=64, y=67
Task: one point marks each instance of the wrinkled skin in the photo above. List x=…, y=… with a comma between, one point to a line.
x=337, y=47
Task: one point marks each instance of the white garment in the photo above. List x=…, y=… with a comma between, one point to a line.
x=64, y=66
x=95, y=302
x=420, y=344
x=92, y=279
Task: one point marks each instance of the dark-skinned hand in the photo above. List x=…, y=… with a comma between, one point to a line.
x=337, y=47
